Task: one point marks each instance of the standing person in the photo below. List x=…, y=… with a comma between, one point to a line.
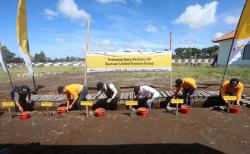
x=232, y=87
x=21, y=96
x=77, y=91
x=110, y=91
x=189, y=87
x=149, y=93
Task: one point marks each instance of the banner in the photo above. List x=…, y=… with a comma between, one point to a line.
x=130, y=62
x=242, y=36
x=2, y=62
x=21, y=28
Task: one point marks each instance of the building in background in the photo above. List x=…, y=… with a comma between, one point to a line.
x=225, y=43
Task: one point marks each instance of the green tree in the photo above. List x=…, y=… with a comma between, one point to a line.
x=40, y=57
x=17, y=60
x=9, y=56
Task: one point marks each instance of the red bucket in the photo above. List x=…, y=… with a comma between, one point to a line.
x=62, y=110
x=99, y=112
x=234, y=109
x=25, y=115
x=185, y=108
x=143, y=111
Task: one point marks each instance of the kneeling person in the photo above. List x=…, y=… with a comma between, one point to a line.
x=77, y=91
x=21, y=96
x=110, y=91
x=189, y=86
x=149, y=93
x=232, y=87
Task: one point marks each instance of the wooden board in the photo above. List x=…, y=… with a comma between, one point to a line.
x=203, y=94
x=196, y=94
x=163, y=94
x=131, y=95
x=208, y=95
x=199, y=94
x=122, y=96
x=172, y=92
x=169, y=94
x=125, y=96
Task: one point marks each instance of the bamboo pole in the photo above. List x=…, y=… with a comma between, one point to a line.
x=86, y=52
x=171, y=73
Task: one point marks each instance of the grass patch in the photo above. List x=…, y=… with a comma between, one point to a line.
x=199, y=73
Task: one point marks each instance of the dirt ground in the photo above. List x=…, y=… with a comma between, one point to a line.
x=201, y=131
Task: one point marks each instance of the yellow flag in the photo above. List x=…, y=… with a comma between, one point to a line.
x=242, y=36
x=22, y=36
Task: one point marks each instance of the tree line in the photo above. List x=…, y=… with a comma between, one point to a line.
x=187, y=53
x=11, y=57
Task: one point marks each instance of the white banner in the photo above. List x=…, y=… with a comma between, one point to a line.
x=5, y=68
x=130, y=62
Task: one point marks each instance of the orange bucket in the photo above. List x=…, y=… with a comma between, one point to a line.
x=25, y=115
x=143, y=111
x=62, y=110
x=234, y=109
x=185, y=108
x=99, y=112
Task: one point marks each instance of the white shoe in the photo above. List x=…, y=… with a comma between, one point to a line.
x=169, y=108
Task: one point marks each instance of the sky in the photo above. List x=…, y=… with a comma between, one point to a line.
x=58, y=27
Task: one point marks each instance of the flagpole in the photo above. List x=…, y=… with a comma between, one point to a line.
x=11, y=83
x=225, y=70
x=34, y=83
x=86, y=52
x=171, y=75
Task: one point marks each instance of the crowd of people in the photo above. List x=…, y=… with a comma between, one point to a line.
x=75, y=93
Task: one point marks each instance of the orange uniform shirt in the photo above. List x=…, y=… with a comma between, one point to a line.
x=236, y=90
x=187, y=83
x=73, y=90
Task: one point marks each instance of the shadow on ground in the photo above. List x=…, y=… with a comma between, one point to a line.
x=37, y=148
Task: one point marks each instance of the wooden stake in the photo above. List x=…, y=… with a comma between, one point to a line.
x=47, y=109
x=86, y=52
x=228, y=106
x=131, y=111
x=87, y=112
x=34, y=83
x=9, y=109
x=171, y=74
x=176, y=113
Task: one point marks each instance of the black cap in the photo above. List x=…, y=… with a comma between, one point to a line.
x=99, y=86
x=136, y=90
x=178, y=82
x=234, y=82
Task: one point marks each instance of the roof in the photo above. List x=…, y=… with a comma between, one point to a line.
x=224, y=37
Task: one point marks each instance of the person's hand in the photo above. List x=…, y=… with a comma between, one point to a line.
x=226, y=102
x=238, y=103
x=28, y=100
x=20, y=109
x=109, y=100
x=70, y=107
